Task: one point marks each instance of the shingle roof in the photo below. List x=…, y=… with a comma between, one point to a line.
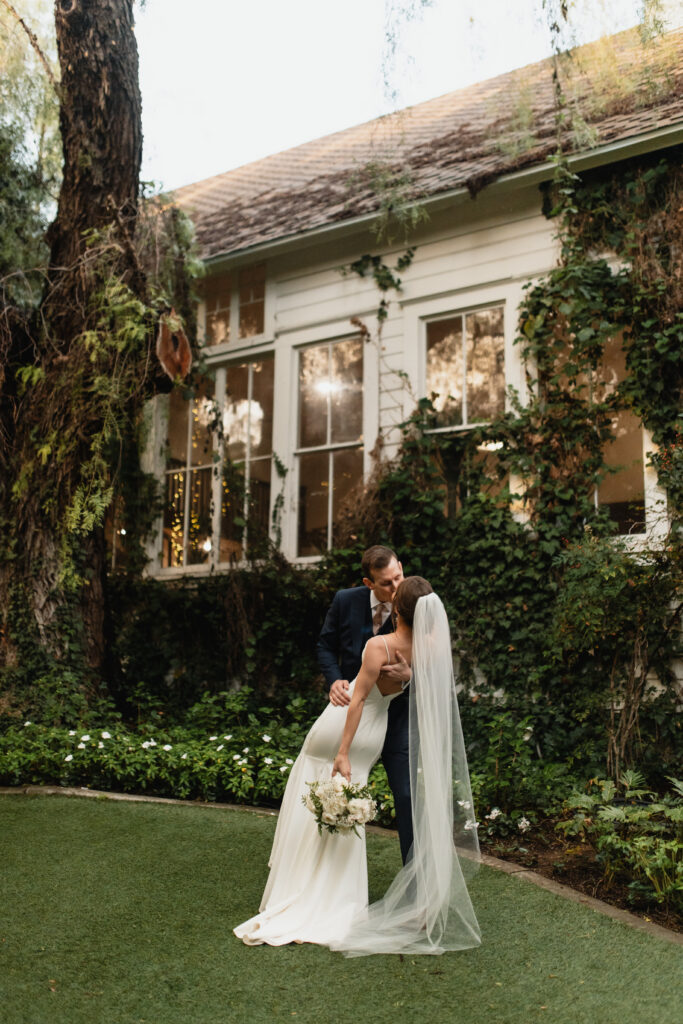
x=465, y=138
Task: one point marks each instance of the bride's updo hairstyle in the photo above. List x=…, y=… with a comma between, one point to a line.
x=408, y=593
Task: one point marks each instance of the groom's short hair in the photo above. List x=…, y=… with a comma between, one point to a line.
x=376, y=557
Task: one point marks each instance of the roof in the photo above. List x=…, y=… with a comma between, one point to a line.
x=464, y=139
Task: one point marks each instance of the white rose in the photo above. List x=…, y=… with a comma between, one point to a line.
x=329, y=819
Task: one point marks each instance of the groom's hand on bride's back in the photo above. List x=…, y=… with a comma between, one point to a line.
x=398, y=671
x=339, y=693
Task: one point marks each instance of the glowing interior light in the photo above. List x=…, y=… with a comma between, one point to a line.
x=206, y=546
x=328, y=387
x=122, y=532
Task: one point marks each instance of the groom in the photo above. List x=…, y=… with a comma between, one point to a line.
x=355, y=615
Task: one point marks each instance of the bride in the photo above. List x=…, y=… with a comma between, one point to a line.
x=317, y=890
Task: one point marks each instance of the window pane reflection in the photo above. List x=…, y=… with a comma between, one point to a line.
x=174, y=515
x=314, y=385
x=231, y=546
x=251, y=285
x=346, y=391
x=314, y=486
x=347, y=472
x=199, y=528
x=259, y=495
x=623, y=492
x=203, y=419
x=236, y=412
x=178, y=412
x=217, y=292
x=485, y=354
x=263, y=378
x=445, y=370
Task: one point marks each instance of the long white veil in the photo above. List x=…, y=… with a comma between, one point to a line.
x=427, y=908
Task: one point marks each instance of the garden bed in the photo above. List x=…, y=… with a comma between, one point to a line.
x=573, y=863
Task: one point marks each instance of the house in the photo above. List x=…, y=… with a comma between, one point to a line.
x=302, y=395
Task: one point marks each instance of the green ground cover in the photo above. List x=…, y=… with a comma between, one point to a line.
x=114, y=913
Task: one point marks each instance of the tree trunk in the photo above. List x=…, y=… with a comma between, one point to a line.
x=47, y=429
x=100, y=122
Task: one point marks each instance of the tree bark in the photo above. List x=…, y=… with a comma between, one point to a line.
x=100, y=121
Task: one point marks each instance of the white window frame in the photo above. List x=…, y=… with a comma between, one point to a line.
x=215, y=353
x=329, y=447
x=213, y=564
x=420, y=312
x=286, y=415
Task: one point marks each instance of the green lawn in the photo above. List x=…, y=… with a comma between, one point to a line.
x=116, y=913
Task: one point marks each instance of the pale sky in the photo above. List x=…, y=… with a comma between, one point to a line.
x=225, y=82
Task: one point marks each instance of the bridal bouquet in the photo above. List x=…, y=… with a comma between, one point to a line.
x=339, y=806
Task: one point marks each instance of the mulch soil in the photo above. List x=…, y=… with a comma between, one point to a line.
x=572, y=862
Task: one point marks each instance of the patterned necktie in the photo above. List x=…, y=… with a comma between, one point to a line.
x=377, y=618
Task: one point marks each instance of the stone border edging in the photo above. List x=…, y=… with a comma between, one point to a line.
x=507, y=867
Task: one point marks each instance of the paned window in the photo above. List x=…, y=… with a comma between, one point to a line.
x=187, y=532
x=465, y=367
x=330, y=452
x=218, y=466
x=248, y=449
x=235, y=305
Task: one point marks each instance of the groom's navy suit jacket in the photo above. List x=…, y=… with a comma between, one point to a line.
x=346, y=630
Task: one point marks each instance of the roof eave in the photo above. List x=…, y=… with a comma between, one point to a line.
x=622, y=149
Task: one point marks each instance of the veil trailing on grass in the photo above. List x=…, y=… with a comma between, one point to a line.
x=427, y=908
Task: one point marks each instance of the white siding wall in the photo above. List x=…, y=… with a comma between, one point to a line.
x=477, y=252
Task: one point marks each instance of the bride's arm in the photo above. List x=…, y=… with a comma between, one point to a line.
x=375, y=654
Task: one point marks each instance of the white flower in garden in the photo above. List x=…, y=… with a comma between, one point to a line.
x=469, y=825
x=26, y=723
x=528, y=733
x=235, y=757
x=288, y=760
x=183, y=757
x=81, y=746
x=85, y=738
x=228, y=737
x=212, y=738
x=523, y=824
x=265, y=738
x=464, y=803
x=495, y=813
x=167, y=746
x=69, y=757
x=284, y=768
x=72, y=732
x=106, y=735
x=245, y=750
x=145, y=744
x=267, y=760
x=100, y=744
x=219, y=748
x=152, y=743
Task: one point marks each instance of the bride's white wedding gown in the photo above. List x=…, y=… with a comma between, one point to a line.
x=319, y=883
